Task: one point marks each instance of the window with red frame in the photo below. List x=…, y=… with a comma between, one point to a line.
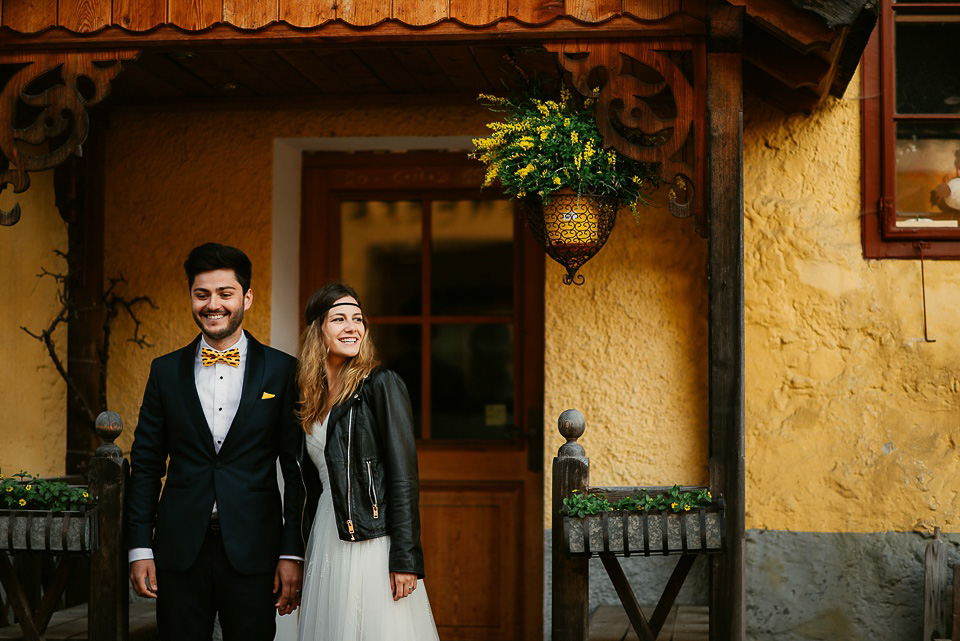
x=911, y=132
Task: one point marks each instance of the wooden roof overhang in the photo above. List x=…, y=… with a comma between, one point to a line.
x=243, y=50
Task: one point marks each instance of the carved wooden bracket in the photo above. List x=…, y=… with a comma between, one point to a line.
x=651, y=107
x=60, y=108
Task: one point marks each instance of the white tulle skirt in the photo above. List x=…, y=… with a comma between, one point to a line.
x=346, y=590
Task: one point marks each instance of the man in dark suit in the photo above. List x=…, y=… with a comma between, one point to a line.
x=222, y=411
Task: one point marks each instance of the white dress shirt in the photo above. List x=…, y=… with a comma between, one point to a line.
x=219, y=387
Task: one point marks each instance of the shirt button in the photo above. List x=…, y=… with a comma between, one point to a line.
x=221, y=409
x=221, y=378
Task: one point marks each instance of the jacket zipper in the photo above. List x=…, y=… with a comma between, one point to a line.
x=373, y=490
x=349, y=448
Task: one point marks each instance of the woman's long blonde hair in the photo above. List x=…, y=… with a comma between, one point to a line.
x=311, y=373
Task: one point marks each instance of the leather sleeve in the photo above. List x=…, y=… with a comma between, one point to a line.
x=390, y=403
x=148, y=464
x=292, y=542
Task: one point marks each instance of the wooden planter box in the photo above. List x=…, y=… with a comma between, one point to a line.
x=45, y=531
x=624, y=533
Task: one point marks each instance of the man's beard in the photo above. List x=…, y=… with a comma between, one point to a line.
x=234, y=320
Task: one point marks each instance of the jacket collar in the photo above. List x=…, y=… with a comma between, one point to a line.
x=252, y=382
x=340, y=409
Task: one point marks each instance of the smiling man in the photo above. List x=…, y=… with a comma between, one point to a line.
x=222, y=411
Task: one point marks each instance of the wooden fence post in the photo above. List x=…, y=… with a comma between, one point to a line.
x=108, y=611
x=571, y=594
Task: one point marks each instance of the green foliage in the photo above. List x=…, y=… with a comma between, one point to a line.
x=673, y=500
x=24, y=491
x=542, y=145
x=581, y=505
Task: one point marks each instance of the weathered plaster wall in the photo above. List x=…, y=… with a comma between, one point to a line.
x=176, y=179
x=851, y=416
x=33, y=414
x=629, y=350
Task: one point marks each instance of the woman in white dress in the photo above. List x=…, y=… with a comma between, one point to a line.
x=364, y=561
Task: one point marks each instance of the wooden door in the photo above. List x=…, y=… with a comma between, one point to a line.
x=452, y=286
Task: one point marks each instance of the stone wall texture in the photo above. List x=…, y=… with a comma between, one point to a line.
x=33, y=414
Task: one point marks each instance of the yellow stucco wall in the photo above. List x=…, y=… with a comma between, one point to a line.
x=33, y=414
x=628, y=349
x=851, y=416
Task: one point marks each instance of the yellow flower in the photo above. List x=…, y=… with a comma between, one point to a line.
x=673, y=505
x=709, y=496
x=557, y=181
x=29, y=487
x=22, y=502
x=574, y=137
x=9, y=488
x=566, y=122
x=686, y=508
x=86, y=495
x=574, y=490
x=543, y=135
x=524, y=171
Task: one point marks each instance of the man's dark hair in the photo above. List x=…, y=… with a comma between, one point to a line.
x=211, y=256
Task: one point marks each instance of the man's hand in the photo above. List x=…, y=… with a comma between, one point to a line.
x=402, y=584
x=286, y=585
x=143, y=576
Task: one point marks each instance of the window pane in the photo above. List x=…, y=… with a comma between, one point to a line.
x=380, y=255
x=471, y=389
x=472, y=257
x=928, y=186
x=399, y=350
x=926, y=52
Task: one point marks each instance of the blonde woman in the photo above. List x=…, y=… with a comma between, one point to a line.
x=364, y=560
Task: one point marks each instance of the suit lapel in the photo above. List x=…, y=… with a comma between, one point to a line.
x=188, y=390
x=252, y=384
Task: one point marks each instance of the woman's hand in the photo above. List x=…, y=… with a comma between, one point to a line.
x=402, y=584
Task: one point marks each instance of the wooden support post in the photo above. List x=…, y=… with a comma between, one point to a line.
x=108, y=613
x=725, y=300
x=79, y=187
x=935, y=590
x=571, y=594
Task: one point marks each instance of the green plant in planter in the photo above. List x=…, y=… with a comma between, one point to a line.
x=23, y=491
x=544, y=145
x=673, y=500
x=581, y=505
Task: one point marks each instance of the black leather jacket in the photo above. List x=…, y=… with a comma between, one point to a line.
x=371, y=458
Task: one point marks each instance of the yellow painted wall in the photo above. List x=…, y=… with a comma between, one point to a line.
x=851, y=416
x=628, y=349
x=33, y=413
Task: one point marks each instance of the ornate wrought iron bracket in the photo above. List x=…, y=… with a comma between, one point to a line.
x=651, y=107
x=58, y=111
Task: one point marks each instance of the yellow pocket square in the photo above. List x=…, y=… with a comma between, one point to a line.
x=267, y=395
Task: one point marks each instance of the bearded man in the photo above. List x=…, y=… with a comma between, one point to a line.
x=222, y=411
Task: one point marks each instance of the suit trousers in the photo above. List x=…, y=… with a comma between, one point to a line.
x=187, y=602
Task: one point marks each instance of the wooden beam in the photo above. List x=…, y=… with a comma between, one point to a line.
x=725, y=301
x=276, y=35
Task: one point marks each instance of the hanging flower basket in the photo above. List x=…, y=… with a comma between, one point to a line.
x=571, y=227
x=48, y=531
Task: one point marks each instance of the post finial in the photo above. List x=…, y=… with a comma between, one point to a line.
x=571, y=425
x=109, y=428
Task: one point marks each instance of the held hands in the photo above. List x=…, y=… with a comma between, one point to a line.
x=287, y=583
x=402, y=584
x=143, y=576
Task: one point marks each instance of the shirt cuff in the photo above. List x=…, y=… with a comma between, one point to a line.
x=139, y=554
x=292, y=558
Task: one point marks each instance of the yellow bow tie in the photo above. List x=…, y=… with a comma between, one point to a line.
x=210, y=356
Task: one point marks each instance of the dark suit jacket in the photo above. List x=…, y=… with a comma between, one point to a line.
x=242, y=478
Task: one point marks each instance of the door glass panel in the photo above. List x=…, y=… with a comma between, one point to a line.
x=472, y=257
x=928, y=176
x=925, y=54
x=380, y=255
x=399, y=349
x=471, y=390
